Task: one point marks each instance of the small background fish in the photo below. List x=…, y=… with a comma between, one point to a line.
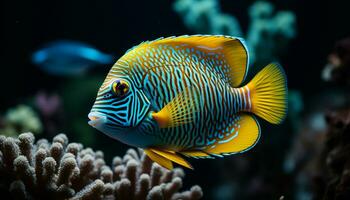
x=67, y=57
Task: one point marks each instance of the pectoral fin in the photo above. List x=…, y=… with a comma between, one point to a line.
x=180, y=110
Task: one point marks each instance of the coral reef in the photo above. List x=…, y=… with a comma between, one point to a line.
x=20, y=119
x=268, y=33
x=333, y=180
x=62, y=170
x=319, y=158
x=338, y=67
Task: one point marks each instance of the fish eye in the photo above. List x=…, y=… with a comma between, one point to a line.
x=120, y=88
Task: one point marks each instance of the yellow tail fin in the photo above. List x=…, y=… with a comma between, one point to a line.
x=269, y=94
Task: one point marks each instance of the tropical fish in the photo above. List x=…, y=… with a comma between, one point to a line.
x=184, y=96
x=66, y=57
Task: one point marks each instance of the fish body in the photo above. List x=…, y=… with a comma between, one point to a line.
x=66, y=57
x=184, y=96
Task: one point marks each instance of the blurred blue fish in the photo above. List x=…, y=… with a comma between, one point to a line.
x=69, y=58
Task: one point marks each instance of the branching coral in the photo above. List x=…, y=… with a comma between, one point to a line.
x=61, y=170
x=205, y=16
x=267, y=34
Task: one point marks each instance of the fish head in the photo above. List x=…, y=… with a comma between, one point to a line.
x=120, y=106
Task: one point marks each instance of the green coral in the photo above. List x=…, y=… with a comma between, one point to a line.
x=22, y=118
x=268, y=33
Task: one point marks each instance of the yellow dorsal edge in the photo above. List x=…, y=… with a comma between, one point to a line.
x=234, y=50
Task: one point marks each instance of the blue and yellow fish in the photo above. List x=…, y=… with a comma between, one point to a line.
x=183, y=96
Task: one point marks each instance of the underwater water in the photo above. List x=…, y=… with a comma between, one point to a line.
x=56, y=56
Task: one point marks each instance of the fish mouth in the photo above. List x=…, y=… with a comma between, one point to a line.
x=96, y=119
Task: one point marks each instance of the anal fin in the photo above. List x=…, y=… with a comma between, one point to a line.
x=195, y=154
x=241, y=136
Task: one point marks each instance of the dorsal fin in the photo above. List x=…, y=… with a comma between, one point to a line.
x=231, y=50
